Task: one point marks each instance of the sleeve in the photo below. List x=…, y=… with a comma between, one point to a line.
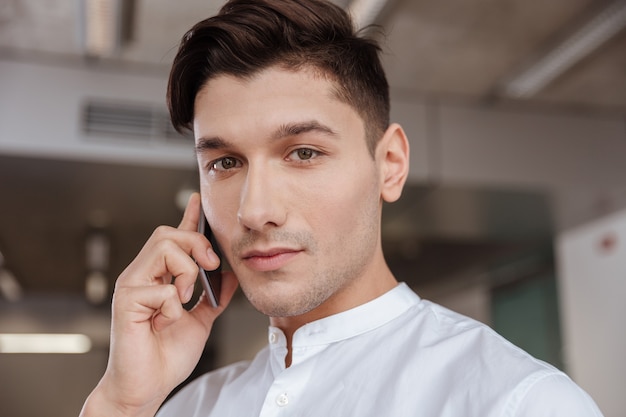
x=551, y=395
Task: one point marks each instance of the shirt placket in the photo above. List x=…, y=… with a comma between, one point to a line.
x=289, y=385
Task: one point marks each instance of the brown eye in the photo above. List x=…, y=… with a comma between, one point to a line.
x=225, y=164
x=228, y=163
x=305, y=153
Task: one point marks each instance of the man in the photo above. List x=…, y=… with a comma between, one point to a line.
x=289, y=110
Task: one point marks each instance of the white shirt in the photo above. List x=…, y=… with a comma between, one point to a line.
x=395, y=356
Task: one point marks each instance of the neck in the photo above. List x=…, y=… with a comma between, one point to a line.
x=353, y=295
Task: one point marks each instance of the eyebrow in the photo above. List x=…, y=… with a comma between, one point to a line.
x=283, y=131
x=299, y=128
x=209, y=143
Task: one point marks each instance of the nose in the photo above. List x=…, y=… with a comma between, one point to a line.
x=260, y=207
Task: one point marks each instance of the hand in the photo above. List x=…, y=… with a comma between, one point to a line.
x=155, y=342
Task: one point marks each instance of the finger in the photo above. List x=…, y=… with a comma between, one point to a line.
x=167, y=253
x=140, y=304
x=185, y=274
x=158, y=260
x=203, y=254
x=191, y=215
x=190, y=221
x=205, y=312
x=182, y=269
x=191, y=243
x=170, y=312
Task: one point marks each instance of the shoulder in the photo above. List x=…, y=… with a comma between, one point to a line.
x=478, y=360
x=469, y=342
x=550, y=394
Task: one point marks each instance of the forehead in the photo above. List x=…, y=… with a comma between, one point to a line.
x=268, y=98
x=275, y=79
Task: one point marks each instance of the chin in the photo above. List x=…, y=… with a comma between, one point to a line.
x=283, y=303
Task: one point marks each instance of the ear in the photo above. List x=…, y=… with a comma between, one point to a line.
x=392, y=153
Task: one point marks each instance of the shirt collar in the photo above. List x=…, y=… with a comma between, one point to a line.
x=355, y=321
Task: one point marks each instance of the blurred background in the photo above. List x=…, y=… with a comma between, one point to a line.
x=514, y=214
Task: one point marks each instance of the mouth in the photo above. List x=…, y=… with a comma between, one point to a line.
x=270, y=259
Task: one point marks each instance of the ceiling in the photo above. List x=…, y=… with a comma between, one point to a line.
x=433, y=50
x=437, y=49
x=469, y=49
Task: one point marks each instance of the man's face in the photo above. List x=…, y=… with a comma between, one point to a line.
x=289, y=188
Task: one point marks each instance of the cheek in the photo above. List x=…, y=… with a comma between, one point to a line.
x=346, y=207
x=220, y=206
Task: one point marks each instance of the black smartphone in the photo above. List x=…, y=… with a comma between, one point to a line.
x=211, y=280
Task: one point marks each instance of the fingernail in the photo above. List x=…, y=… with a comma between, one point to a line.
x=188, y=294
x=213, y=256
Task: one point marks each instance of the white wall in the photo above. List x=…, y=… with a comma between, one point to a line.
x=40, y=108
x=577, y=159
x=592, y=271
x=40, y=116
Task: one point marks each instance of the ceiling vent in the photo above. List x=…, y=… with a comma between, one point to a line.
x=132, y=121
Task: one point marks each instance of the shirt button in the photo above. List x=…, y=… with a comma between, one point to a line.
x=273, y=338
x=282, y=400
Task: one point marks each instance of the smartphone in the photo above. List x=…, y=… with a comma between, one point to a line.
x=211, y=280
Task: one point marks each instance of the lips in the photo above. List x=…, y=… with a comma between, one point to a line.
x=269, y=260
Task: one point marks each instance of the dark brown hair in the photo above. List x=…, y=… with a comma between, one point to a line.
x=247, y=36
